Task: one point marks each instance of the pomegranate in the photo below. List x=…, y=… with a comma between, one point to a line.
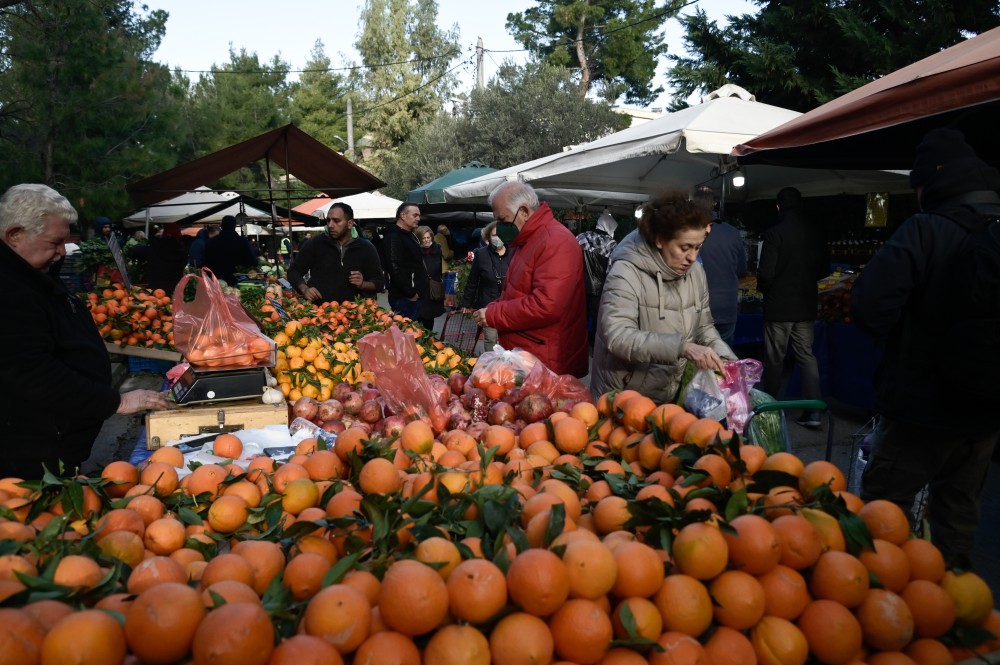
x=513, y=395
x=305, y=407
x=392, y=426
x=352, y=403
x=500, y=413
x=333, y=426
x=340, y=390
x=473, y=396
x=330, y=409
x=369, y=394
x=371, y=411
x=456, y=382
x=534, y=407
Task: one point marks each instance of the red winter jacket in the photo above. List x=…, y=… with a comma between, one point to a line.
x=542, y=308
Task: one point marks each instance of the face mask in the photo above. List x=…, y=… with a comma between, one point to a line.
x=496, y=242
x=506, y=231
x=426, y=243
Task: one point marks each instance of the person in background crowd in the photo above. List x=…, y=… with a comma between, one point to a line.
x=196, y=254
x=285, y=250
x=542, y=307
x=228, y=251
x=447, y=245
x=165, y=258
x=433, y=306
x=104, y=230
x=932, y=430
x=725, y=260
x=404, y=263
x=654, y=315
x=793, y=258
x=54, y=355
x=597, y=245
x=340, y=268
x=139, y=236
x=486, y=278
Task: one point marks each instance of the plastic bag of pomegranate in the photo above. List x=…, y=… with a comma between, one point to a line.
x=393, y=358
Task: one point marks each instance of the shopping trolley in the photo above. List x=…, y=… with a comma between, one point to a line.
x=461, y=331
x=774, y=411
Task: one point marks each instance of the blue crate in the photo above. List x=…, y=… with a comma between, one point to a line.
x=151, y=365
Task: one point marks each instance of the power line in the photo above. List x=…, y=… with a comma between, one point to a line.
x=380, y=65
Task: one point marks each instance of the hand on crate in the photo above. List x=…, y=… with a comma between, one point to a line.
x=142, y=400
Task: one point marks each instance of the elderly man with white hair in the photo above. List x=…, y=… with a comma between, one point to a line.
x=542, y=307
x=55, y=372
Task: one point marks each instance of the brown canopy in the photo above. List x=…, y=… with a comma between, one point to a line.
x=286, y=147
x=878, y=125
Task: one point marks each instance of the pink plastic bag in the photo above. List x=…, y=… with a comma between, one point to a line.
x=738, y=377
x=214, y=331
x=393, y=358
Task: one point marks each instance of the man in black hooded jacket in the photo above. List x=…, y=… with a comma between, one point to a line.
x=907, y=297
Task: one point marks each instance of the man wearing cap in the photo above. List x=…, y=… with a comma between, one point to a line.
x=906, y=297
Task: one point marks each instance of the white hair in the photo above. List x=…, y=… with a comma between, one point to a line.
x=30, y=206
x=518, y=194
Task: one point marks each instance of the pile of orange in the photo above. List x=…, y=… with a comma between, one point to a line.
x=621, y=532
x=136, y=317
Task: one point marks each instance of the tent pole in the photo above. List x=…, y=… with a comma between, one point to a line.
x=274, y=217
x=288, y=198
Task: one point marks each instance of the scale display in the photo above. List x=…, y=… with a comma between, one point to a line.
x=195, y=387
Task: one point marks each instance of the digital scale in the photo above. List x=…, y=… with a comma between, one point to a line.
x=199, y=386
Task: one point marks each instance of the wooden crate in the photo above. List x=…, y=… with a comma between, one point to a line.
x=162, y=427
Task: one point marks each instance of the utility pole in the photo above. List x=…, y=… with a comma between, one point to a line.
x=480, y=76
x=350, y=127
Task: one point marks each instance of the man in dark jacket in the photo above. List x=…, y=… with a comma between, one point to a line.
x=725, y=260
x=929, y=433
x=408, y=280
x=196, y=253
x=542, y=308
x=55, y=373
x=228, y=251
x=165, y=257
x=793, y=259
x=340, y=267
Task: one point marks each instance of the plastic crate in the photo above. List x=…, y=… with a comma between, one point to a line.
x=151, y=365
x=461, y=331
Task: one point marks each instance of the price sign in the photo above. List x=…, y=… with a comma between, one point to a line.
x=116, y=253
x=278, y=308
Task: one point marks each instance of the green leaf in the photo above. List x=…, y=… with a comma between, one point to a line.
x=555, y=525
x=339, y=569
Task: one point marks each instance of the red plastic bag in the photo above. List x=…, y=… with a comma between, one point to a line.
x=739, y=376
x=393, y=358
x=214, y=331
x=520, y=368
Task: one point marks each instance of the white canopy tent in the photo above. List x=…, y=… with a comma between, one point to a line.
x=367, y=205
x=679, y=151
x=192, y=203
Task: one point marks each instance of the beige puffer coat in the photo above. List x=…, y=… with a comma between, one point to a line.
x=648, y=312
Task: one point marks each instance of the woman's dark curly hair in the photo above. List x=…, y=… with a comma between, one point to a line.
x=668, y=214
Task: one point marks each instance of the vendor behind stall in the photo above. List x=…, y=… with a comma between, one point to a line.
x=55, y=373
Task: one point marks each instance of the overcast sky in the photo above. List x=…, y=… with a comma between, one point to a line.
x=199, y=34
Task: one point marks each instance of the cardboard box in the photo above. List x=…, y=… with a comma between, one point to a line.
x=162, y=427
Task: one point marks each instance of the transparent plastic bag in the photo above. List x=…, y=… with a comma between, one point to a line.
x=521, y=368
x=393, y=358
x=768, y=430
x=213, y=330
x=703, y=396
x=738, y=377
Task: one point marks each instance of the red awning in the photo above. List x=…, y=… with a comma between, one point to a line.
x=879, y=125
x=287, y=147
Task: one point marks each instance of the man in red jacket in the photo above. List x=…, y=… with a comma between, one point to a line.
x=542, y=308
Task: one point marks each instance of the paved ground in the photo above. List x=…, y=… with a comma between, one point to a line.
x=119, y=435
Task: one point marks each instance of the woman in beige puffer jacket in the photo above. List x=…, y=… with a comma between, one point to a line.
x=654, y=315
